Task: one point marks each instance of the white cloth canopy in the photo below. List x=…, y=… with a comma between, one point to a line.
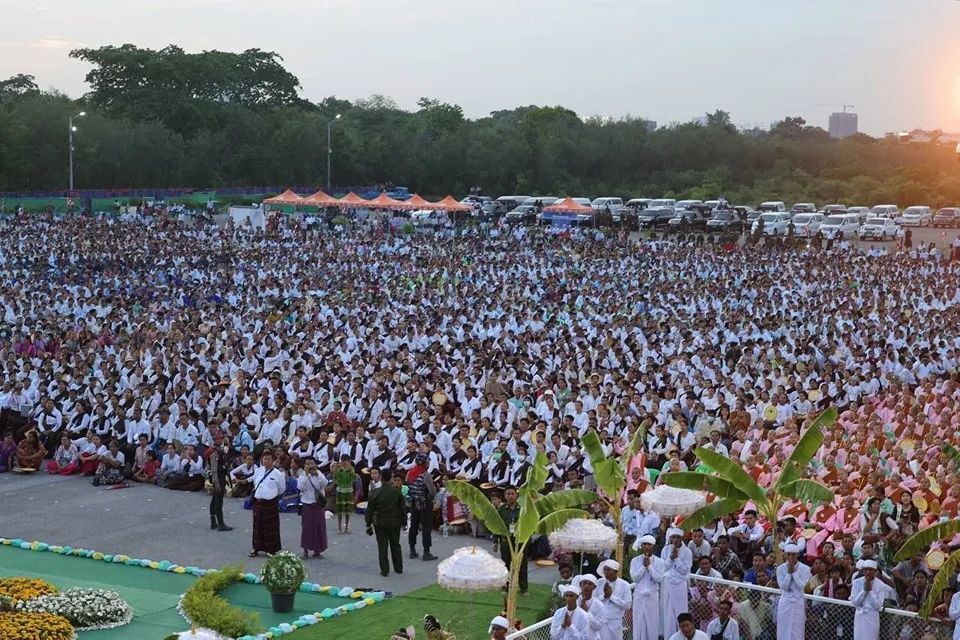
x=472, y=569
x=670, y=501
x=588, y=536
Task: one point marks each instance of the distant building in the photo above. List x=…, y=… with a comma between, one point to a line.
x=922, y=136
x=843, y=124
x=649, y=125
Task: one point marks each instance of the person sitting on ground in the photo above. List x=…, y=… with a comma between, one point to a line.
x=110, y=468
x=30, y=452
x=90, y=451
x=148, y=471
x=189, y=476
x=8, y=450
x=169, y=466
x=66, y=460
x=242, y=477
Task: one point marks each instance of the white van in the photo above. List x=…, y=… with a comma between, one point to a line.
x=600, y=203
x=840, y=225
x=663, y=203
x=885, y=211
x=773, y=205
x=772, y=223
x=683, y=205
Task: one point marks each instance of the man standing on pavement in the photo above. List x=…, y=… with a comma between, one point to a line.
x=868, y=595
x=792, y=577
x=676, y=586
x=386, y=514
x=218, y=478
x=422, y=493
x=268, y=486
x=510, y=512
x=647, y=572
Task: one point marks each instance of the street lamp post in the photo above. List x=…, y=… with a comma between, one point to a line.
x=330, y=153
x=71, y=129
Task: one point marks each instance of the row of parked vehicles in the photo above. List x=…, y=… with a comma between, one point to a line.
x=879, y=222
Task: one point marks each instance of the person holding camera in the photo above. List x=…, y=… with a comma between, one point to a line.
x=724, y=627
x=313, y=526
x=386, y=514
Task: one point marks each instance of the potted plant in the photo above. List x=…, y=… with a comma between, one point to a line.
x=282, y=574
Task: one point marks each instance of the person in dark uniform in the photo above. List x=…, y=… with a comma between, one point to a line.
x=218, y=461
x=510, y=512
x=386, y=514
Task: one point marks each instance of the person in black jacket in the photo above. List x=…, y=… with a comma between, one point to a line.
x=219, y=456
x=386, y=514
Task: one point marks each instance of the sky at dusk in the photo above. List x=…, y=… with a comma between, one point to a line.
x=898, y=61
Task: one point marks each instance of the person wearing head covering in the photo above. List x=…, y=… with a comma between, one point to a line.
x=498, y=628
x=569, y=621
x=589, y=604
x=678, y=560
x=687, y=629
x=792, y=577
x=647, y=571
x=868, y=595
x=613, y=594
x=422, y=493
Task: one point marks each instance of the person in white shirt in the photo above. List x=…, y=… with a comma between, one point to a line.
x=868, y=595
x=647, y=571
x=590, y=605
x=569, y=621
x=676, y=594
x=313, y=526
x=724, y=627
x=687, y=629
x=613, y=593
x=269, y=485
x=792, y=577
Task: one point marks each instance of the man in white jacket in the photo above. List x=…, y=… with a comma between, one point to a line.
x=676, y=582
x=647, y=572
x=613, y=593
x=590, y=605
x=569, y=621
x=868, y=595
x=792, y=577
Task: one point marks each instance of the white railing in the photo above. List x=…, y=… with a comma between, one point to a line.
x=755, y=610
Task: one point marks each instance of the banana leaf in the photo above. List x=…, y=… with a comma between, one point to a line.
x=732, y=472
x=529, y=518
x=953, y=454
x=940, y=582
x=565, y=499
x=806, y=448
x=556, y=520
x=918, y=542
x=807, y=491
x=704, y=482
x=479, y=506
x=538, y=474
x=707, y=514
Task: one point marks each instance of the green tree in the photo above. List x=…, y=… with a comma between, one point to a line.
x=539, y=514
x=734, y=487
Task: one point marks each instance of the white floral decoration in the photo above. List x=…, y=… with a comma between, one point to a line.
x=86, y=609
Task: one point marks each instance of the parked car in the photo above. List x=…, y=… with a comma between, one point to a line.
x=878, y=229
x=774, y=205
x=947, y=217
x=663, y=203
x=803, y=207
x=637, y=204
x=751, y=216
x=651, y=217
x=725, y=221
x=691, y=219
x=429, y=218
x=512, y=202
x=806, y=224
x=862, y=212
x=524, y=214
x=917, y=216
x=683, y=205
x=842, y=225
x=832, y=209
x=772, y=223
x=544, y=200
x=891, y=211
x=614, y=204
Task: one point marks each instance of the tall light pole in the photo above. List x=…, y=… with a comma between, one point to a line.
x=71, y=129
x=330, y=153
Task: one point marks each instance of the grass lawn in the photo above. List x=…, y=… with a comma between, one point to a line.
x=466, y=615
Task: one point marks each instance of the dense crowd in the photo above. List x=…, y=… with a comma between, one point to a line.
x=132, y=349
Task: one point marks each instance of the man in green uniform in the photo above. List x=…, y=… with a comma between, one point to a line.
x=386, y=514
x=510, y=512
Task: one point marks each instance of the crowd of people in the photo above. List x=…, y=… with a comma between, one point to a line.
x=134, y=351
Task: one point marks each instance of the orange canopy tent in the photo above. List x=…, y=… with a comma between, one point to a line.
x=383, y=201
x=449, y=204
x=568, y=205
x=287, y=197
x=352, y=200
x=321, y=199
x=416, y=202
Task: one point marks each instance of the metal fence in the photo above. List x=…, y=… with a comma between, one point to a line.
x=755, y=610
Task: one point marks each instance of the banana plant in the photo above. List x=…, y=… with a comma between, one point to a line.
x=610, y=474
x=539, y=514
x=734, y=487
x=918, y=543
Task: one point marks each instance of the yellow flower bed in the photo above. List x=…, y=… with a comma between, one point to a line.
x=18, y=589
x=34, y=626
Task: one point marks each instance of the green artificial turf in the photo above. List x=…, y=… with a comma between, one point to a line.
x=466, y=615
x=154, y=594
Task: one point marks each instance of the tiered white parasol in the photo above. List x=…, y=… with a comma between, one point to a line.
x=671, y=501
x=472, y=569
x=586, y=536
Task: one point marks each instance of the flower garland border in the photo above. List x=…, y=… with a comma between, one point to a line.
x=363, y=598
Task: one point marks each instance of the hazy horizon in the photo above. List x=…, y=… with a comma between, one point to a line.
x=898, y=62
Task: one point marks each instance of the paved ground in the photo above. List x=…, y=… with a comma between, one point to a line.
x=158, y=524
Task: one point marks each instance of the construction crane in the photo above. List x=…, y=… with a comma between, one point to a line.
x=845, y=106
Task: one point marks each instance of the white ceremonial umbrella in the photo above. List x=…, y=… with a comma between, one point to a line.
x=671, y=501
x=584, y=535
x=472, y=569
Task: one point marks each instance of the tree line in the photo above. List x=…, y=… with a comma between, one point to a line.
x=168, y=118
